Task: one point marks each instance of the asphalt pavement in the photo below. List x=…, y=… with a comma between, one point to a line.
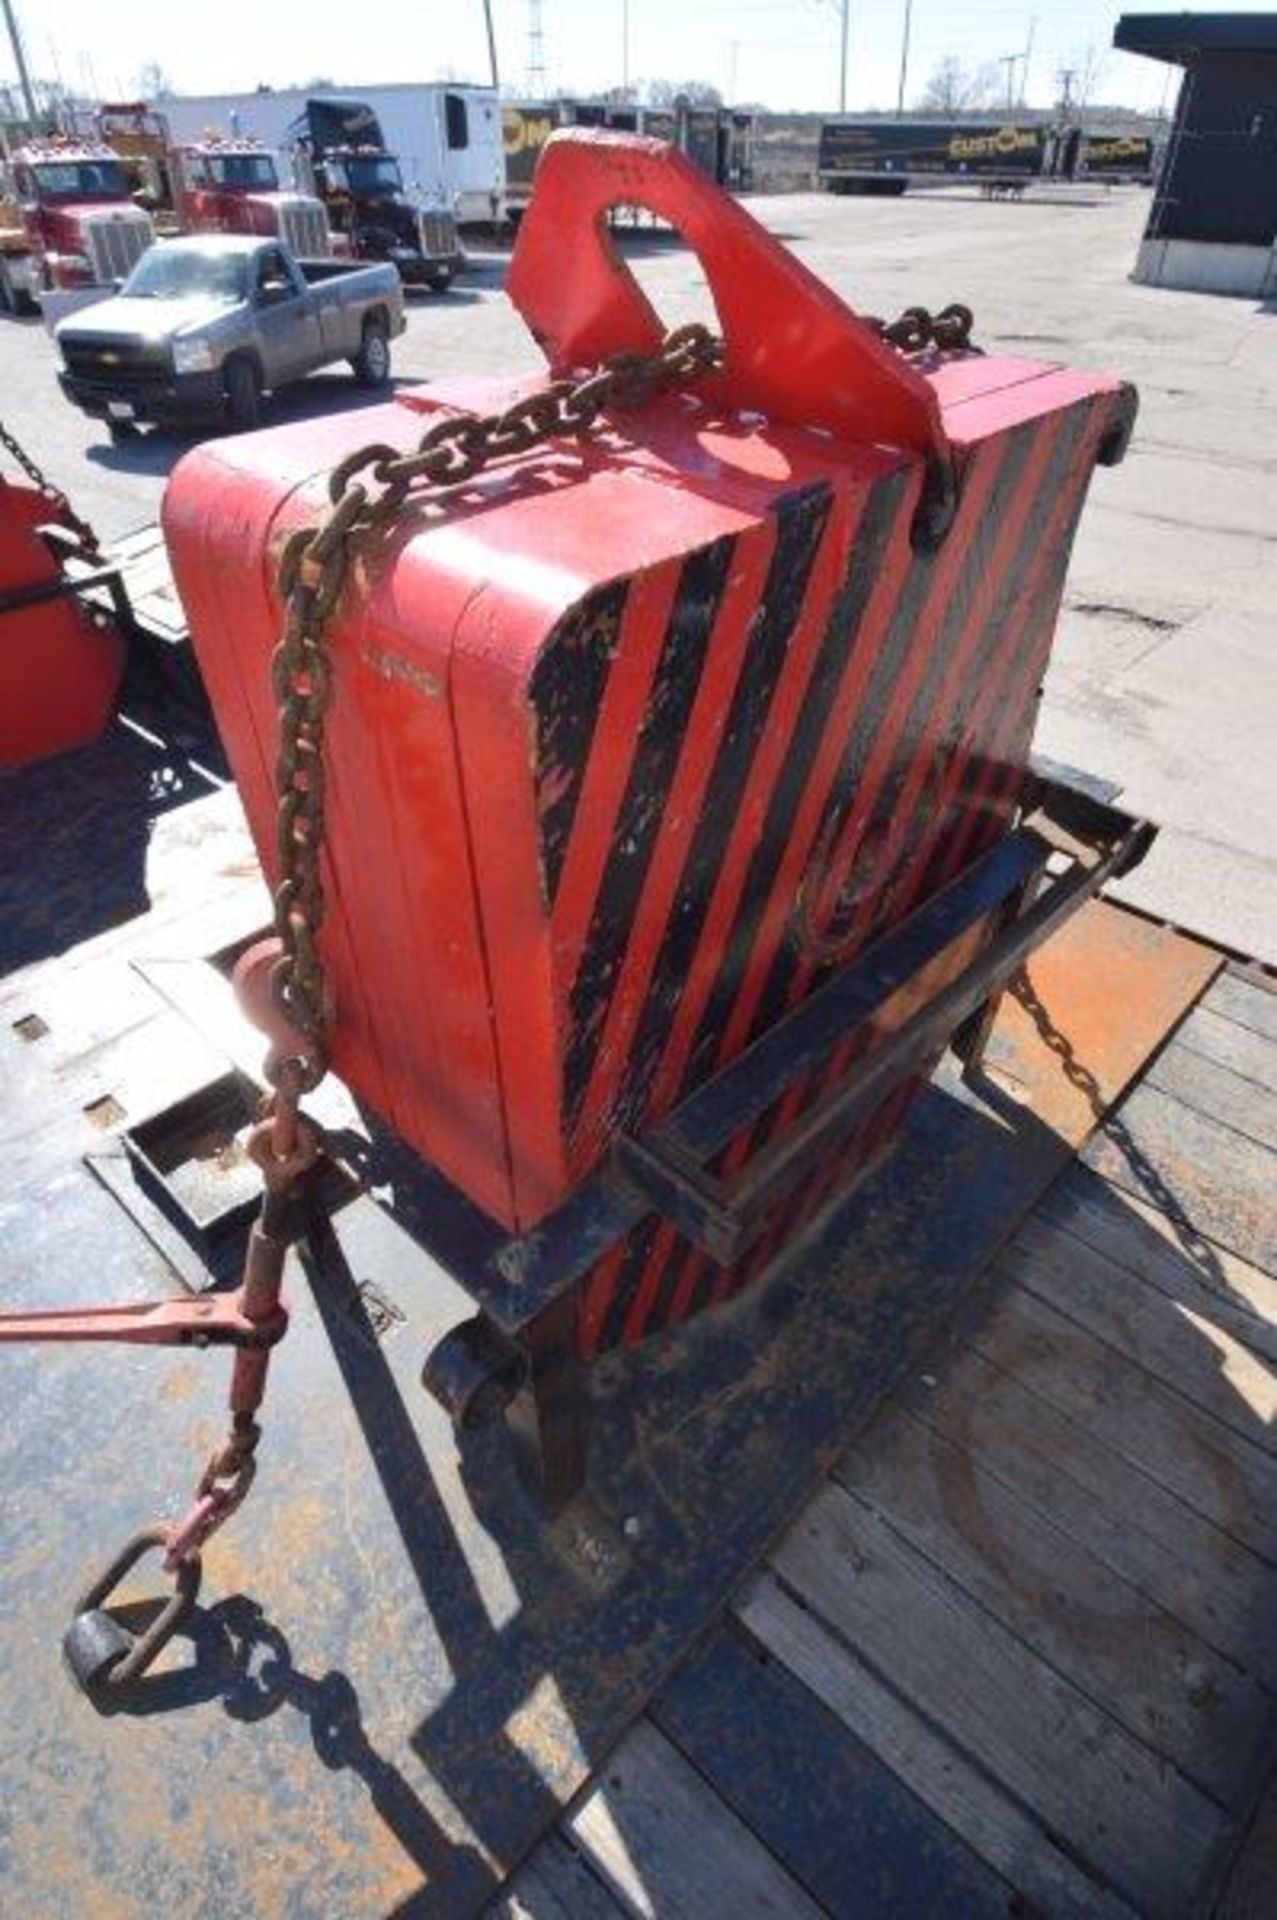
x=1165, y=671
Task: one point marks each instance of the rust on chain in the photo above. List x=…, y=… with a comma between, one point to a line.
x=919, y=331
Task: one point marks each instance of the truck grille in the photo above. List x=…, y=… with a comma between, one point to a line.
x=113, y=357
x=304, y=228
x=115, y=242
x=438, y=233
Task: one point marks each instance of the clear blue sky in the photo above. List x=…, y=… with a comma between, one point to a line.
x=782, y=52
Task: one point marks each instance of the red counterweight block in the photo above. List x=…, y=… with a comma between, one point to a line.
x=60, y=665
x=635, y=739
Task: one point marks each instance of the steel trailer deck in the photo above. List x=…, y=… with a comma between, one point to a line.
x=399, y=1675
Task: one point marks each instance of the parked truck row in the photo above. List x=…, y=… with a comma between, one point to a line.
x=76, y=213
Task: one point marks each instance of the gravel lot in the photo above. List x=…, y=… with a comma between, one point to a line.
x=1165, y=676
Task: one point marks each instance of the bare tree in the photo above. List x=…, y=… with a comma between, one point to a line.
x=667, y=93
x=1089, y=66
x=152, y=83
x=955, y=88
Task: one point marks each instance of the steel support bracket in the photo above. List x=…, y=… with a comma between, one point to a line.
x=1069, y=844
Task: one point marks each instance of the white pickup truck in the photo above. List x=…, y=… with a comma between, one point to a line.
x=204, y=327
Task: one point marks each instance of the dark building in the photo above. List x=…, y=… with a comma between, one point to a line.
x=1214, y=213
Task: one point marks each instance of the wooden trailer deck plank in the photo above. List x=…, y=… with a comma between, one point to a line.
x=1038, y=1594
x=1242, y=1045
x=1129, y=1656
x=555, y=1883
x=1106, y=1796
x=1177, y=1342
x=670, y=1847
x=1189, y=1268
x=1230, y=1482
x=1109, y=1507
x=964, y=1795
x=1194, y=1168
x=1248, y=999
x=1222, y=1093
x=837, y=1817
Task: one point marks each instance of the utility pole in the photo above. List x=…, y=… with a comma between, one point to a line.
x=625, y=46
x=1009, y=60
x=492, y=45
x=842, y=82
x=536, y=51
x=904, y=59
x=1066, y=77
x=1028, y=55
x=20, y=62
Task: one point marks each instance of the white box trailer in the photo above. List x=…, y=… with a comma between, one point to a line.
x=448, y=138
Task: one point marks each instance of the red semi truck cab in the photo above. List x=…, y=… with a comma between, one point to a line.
x=232, y=186
x=81, y=226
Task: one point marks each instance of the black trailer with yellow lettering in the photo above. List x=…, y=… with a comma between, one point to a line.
x=1128, y=157
x=884, y=156
x=718, y=140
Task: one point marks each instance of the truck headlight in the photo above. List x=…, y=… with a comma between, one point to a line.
x=69, y=269
x=192, y=356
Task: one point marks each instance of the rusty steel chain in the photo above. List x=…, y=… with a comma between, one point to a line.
x=54, y=495
x=918, y=331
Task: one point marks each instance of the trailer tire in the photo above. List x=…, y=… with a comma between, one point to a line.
x=243, y=395
x=371, y=365
x=441, y=280
x=122, y=430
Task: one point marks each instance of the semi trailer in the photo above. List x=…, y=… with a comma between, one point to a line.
x=880, y=155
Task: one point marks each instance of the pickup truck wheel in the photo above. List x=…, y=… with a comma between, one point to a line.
x=371, y=365
x=121, y=429
x=243, y=396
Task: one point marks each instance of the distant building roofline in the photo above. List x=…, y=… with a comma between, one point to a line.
x=1178, y=37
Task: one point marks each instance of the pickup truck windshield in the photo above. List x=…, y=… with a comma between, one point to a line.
x=170, y=273
x=81, y=180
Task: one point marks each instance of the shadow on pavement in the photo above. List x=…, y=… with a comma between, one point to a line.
x=157, y=450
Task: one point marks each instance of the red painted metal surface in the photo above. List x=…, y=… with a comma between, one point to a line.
x=59, y=666
x=218, y=1320
x=641, y=736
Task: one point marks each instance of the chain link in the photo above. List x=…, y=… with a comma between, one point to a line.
x=54, y=495
x=917, y=330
